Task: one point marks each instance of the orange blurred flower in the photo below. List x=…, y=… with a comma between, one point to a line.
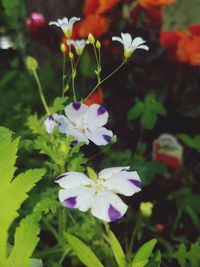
x=188, y=50
x=95, y=24
x=170, y=40
x=155, y=3
x=96, y=98
x=98, y=6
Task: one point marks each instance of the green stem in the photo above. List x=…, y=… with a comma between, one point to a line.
x=73, y=68
x=98, y=70
x=63, y=78
x=64, y=255
x=54, y=250
x=51, y=229
x=41, y=92
x=134, y=232
x=112, y=73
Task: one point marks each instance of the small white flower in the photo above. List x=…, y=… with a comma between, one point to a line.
x=65, y=24
x=99, y=195
x=85, y=123
x=49, y=124
x=79, y=45
x=130, y=45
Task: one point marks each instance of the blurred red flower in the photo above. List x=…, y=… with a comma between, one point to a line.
x=188, y=50
x=183, y=46
x=167, y=150
x=96, y=98
x=154, y=3
x=95, y=24
x=169, y=40
x=34, y=23
x=98, y=6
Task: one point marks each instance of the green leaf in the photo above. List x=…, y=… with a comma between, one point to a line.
x=193, y=143
x=180, y=255
x=136, y=111
x=143, y=254
x=153, y=105
x=25, y=242
x=117, y=250
x=8, y=151
x=83, y=252
x=58, y=104
x=148, y=119
x=12, y=194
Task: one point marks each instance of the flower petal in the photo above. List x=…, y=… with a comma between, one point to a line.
x=80, y=198
x=127, y=39
x=97, y=116
x=118, y=39
x=72, y=179
x=125, y=183
x=75, y=112
x=49, y=124
x=73, y=20
x=145, y=47
x=100, y=136
x=108, y=207
x=109, y=172
x=62, y=123
x=137, y=41
x=78, y=136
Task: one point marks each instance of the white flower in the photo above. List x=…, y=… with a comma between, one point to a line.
x=85, y=123
x=50, y=124
x=65, y=24
x=99, y=195
x=79, y=45
x=130, y=45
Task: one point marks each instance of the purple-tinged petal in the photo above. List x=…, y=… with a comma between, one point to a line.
x=108, y=206
x=113, y=214
x=107, y=138
x=70, y=202
x=76, y=105
x=101, y=111
x=49, y=124
x=60, y=177
x=137, y=183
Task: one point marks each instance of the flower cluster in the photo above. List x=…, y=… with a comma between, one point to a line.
x=183, y=46
x=85, y=121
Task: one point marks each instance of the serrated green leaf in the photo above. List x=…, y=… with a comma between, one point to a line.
x=8, y=151
x=83, y=252
x=148, y=119
x=12, y=193
x=117, y=250
x=142, y=256
x=180, y=255
x=26, y=239
x=136, y=111
x=58, y=104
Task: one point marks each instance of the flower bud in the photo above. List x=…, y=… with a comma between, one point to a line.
x=63, y=48
x=146, y=208
x=98, y=44
x=71, y=55
x=31, y=63
x=91, y=38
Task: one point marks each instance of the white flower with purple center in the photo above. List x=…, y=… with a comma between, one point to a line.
x=85, y=123
x=99, y=195
x=65, y=24
x=79, y=45
x=130, y=45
